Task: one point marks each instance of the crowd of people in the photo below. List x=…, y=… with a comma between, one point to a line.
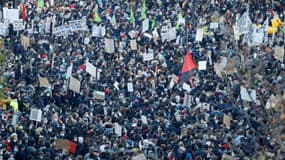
x=159, y=119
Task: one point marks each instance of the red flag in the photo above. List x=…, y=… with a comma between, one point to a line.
x=188, y=68
x=72, y=147
x=24, y=13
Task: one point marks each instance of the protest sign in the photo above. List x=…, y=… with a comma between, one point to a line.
x=187, y=100
x=228, y=157
x=230, y=67
x=133, y=44
x=99, y=95
x=214, y=25
x=199, y=35
x=44, y=82
x=130, y=87
x=74, y=84
x=109, y=45
x=279, y=53
x=272, y=101
x=202, y=65
x=14, y=119
x=69, y=71
x=25, y=41
x=148, y=57
x=96, y=31
x=227, y=121
x=36, y=115
x=177, y=116
x=11, y=14
x=144, y=119
x=118, y=129
x=91, y=69
x=186, y=87
x=145, y=25
x=62, y=144
x=139, y=157
x=217, y=69
x=248, y=96
x=3, y=30
x=236, y=32
x=168, y=33
x=18, y=25
x=184, y=132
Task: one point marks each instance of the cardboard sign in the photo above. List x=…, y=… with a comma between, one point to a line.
x=177, y=116
x=202, y=65
x=36, y=115
x=248, y=96
x=279, y=53
x=91, y=69
x=25, y=41
x=62, y=144
x=74, y=85
x=44, y=82
x=184, y=131
x=227, y=121
x=230, y=67
x=148, y=57
x=118, y=129
x=199, y=35
x=272, y=101
x=133, y=44
x=130, y=87
x=218, y=71
x=139, y=157
x=109, y=46
x=145, y=25
x=99, y=95
x=227, y=157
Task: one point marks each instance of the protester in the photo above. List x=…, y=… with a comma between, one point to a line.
x=145, y=79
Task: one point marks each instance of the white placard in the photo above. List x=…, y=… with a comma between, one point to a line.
x=177, y=116
x=279, y=53
x=214, y=25
x=248, y=96
x=109, y=45
x=91, y=69
x=18, y=25
x=14, y=119
x=74, y=85
x=199, y=35
x=171, y=34
x=148, y=57
x=187, y=100
x=116, y=85
x=130, y=87
x=99, y=95
x=96, y=31
x=144, y=119
x=139, y=157
x=69, y=71
x=236, y=32
x=118, y=129
x=202, y=65
x=36, y=115
x=133, y=44
x=145, y=25
x=186, y=87
x=3, y=30
x=11, y=14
